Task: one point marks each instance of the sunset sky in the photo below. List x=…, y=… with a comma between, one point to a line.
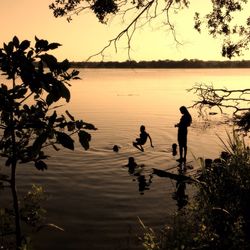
x=85, y=36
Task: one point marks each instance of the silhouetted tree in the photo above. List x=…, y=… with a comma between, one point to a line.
x=29, y=122
x=219, y=21
x=237, y=100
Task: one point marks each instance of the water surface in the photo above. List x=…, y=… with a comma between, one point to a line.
x=91, y=195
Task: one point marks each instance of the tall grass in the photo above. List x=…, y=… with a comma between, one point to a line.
x=218, y=216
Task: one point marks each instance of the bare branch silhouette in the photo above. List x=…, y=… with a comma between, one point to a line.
x=131, y=26
x=238, y=99
x=218, y=21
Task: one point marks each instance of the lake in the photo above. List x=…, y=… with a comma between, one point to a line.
x=90, y=193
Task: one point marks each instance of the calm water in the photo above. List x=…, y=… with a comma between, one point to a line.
x=91, y=195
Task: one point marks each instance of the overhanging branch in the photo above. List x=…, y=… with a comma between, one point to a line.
x=210, y=97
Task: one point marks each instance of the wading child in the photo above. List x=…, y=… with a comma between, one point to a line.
x=142, y=139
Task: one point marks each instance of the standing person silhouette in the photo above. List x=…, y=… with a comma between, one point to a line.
x=143, y=138
x=184, y=123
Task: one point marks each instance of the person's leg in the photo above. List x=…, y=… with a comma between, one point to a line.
x=180, y=143
x=138, y=146
x=185, y=154
x=184, y=147
x=181, y=153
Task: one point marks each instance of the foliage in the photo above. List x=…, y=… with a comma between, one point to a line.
x=31, y=211
x=29, y=122
x=101, y=8
x=32, y=214
x=149, y=239
x=219, y=21
x=243, y=121
x=218, y=218
x=35, y=75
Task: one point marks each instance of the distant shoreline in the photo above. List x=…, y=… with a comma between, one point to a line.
x=168, y=64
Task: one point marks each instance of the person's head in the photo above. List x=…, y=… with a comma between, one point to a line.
x=142, y=128
x=131, y=160
x=183, y=110
x=115, y=148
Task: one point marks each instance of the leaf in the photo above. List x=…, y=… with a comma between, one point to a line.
x=64, y=65
x=52, y=118
x=51, y=98
x=60, y=119
x=54, y=45
x=71, y=126
x=89, y=126
x=15, y=41
x=24, y=45
x=42, y=156
x=70, y=116
x=41, y=165
x=41, y=45
x=79, y=124
x=4, y=87
x=21, y=92
x=75, y=73
x=64, y=92
x=30, y=53
x=84, y=139
x=9, y=48
x=50, y=61
x=36, y=147
x=65, y=140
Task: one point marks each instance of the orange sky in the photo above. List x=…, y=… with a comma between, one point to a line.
x=85, y=36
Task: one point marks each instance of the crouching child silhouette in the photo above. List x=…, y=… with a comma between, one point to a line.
x=142, y=139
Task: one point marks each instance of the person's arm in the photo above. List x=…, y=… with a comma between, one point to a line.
x=177, y=124
x=150, y=140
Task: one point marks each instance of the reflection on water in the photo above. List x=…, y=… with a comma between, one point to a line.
x=137, y=171
x=144, y=181
x=182, y=177
x=180, y=195
x=91, y=196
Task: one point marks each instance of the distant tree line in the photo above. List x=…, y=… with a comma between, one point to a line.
x=193, y=63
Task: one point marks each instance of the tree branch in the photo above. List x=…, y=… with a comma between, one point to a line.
x=125, y=31
x=221, y=98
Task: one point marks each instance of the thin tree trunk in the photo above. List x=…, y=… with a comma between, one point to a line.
x=13, y=182
x=15, y=206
